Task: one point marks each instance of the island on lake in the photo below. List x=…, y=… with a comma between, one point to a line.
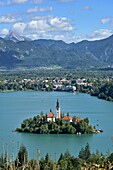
x=59, y=124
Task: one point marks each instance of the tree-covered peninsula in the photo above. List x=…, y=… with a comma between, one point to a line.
x=65, y=125
x=103, y=89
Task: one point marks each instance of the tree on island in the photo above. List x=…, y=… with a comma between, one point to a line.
x=40, y=125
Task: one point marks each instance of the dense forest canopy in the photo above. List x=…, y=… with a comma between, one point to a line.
x=85, y=160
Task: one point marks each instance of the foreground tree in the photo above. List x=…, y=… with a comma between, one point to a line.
x=22, y=156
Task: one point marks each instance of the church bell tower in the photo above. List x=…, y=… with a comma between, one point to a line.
x=57, y=110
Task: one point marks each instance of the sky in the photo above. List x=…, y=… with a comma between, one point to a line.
x=67, y=20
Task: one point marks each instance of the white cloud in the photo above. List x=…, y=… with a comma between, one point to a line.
x=37, y=9
x=36, y=1
x=54, y=27
x=64, y=1
x=6, y=19
x=12, y=2
x=60, y=24
x=71, y=37
x=4, y=32
x=19, y=27
x=95, y=35
x=18, y=1
x=107, y=20
x=100, y=34
x=44, y=27
x=52, y=23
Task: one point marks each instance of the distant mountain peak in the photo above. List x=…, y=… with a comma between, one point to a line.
x=44, y=53
x=13, y=36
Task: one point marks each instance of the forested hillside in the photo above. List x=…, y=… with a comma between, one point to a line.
x=56, y=54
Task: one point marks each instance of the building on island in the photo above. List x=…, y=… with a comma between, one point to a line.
x=58, y=116
x=67, y=119
x=79, y=119
x=50, y=117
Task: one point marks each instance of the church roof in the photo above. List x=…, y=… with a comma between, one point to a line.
x=79, y=119
x=50, y=115
x=67, y=118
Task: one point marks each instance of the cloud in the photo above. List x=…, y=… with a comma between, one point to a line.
x=64, y=1
x=12, y=2
x=53, y=27
x=38, y=9
x=100, y=34
x=108, y=20
x=6, y=19
x=61, y=24
x=4, y=32
x=49, y=24
x=87, y=8
x=72, y=37
x=19, y=27
x=36, y=1
x=44, y=27
x=95, y=35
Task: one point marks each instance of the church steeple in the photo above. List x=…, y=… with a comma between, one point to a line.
x=57, y=110
x=57, y=105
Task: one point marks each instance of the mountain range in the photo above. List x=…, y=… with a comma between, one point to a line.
x=17, y=52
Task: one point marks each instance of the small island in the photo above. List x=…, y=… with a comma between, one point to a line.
x=49, y=124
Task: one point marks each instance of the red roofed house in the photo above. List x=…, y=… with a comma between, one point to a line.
x=50, y=117
x=67, y=119
x=79, y=119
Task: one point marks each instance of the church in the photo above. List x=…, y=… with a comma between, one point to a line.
x=51, y=116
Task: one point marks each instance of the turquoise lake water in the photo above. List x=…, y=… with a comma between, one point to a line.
x=17, y=106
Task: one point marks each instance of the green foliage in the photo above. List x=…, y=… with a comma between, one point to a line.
x=44, y=129
x=30, y=80
x=38, y=124
x=67, y=154
x=51, y=53
x=103, y=90
x=3, y=161
x=22, y=156
x=110, y=158
x=85, y=160
x=85, y=152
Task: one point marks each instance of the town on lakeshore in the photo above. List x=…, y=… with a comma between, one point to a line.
x=56, y=124
x=43, y=84
x=99, y=87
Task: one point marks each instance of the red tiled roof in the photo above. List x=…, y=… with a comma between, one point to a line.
x=67, y=118
x=79, y=119
x=50, y=115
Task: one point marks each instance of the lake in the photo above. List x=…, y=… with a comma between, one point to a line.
x=17, y=106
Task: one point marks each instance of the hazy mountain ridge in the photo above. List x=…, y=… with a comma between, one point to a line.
x=50, y=53
x=15, y=37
